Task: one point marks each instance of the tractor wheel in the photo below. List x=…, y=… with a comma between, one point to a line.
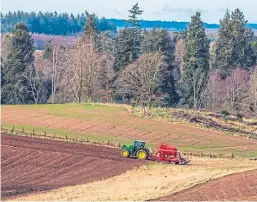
x=142, y=154
x=125, y=153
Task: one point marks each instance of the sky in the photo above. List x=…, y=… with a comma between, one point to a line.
x=170, y=10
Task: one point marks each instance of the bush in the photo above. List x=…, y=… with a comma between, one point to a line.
x=239, y=116
x=224, y=113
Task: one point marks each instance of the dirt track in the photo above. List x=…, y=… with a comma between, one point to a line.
x=31, y=165
x=236, y=187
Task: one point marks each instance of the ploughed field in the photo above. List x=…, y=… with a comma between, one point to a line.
x=236, y=187
x=116, y=123
x=31, y=164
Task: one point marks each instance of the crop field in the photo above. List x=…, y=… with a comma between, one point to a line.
x=236, y=187
x=116, y=123
x=154, y=180
x=43, y=169
x=32, y=165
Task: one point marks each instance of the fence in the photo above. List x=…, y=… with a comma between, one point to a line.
x=44, y=135
x=65, y=138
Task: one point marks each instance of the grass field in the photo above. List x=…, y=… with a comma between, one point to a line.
x=117, y=124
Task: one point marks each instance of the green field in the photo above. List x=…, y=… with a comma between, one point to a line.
x=116, y=123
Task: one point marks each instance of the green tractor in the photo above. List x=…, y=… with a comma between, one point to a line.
x=137, y=150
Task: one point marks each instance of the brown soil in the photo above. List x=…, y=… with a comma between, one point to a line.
x=31, y=164
x=121, y=124
x=236, y=187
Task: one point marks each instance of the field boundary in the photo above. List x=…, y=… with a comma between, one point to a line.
x=44, y=135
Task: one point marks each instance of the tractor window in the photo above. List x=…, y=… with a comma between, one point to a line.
x=139, y=144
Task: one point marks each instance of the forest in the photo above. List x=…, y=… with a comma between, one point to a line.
x=148, y=68
x=53, y=23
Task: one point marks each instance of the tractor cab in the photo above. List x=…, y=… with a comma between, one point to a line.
x=139, y=144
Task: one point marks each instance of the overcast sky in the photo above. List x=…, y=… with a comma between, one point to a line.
x=170, y=10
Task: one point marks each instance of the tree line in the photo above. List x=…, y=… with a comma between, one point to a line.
x=51, y=22
x=54, y=23
x=139, y=67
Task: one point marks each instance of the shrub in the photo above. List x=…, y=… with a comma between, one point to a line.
x=224, y=113
x=239, y=116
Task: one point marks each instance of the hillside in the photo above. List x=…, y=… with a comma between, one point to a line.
x=116, y=123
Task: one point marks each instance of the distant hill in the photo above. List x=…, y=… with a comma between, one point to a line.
x=170, y=25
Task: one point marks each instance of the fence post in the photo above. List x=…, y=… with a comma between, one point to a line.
x=12, y=129
x=33, y=132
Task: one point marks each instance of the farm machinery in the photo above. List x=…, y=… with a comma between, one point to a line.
x=165, y=153
x=137, y=150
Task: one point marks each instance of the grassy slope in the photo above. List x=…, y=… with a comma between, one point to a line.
x=181, y=135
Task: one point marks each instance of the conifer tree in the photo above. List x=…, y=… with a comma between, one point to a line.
x=19, y=59
x=133, y=17
x=91, y=34
x=123, y=56
x=196, y=62
x=90, y=28
x=234, y=45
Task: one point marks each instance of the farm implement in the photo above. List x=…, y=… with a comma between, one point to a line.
x=165, y=153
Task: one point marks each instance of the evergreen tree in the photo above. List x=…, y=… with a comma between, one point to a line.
x=233, y=47
x=51, y=23
x=128, y=42
x=15, y=89
x=135, y=12
x=133, y=17
x=90, y=31
x=223, y=45
x=107, y=43
x=125, y=47
x=90, y=28
x=161, y=41
x=196, y=63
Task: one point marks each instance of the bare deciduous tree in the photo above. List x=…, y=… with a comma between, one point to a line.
x=86, y=64
x=5, y=46
x=36, y=82
x=253, y=90
x=231, y=92
x=179, y=54
x=238, y=84
x=59, y=67
x=140, y=78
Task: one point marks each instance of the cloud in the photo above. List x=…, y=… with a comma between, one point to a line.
x=118, y=11
x=180, y=9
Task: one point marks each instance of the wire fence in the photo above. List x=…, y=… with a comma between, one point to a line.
x=45, y=135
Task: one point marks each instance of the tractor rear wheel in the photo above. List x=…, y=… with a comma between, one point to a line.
x=125, y=153
x=142, y=154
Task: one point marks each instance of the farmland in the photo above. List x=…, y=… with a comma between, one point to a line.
x=116, y=123
x=32, y=165
x=242, y=187
x=44, y=169
x=149, y=181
